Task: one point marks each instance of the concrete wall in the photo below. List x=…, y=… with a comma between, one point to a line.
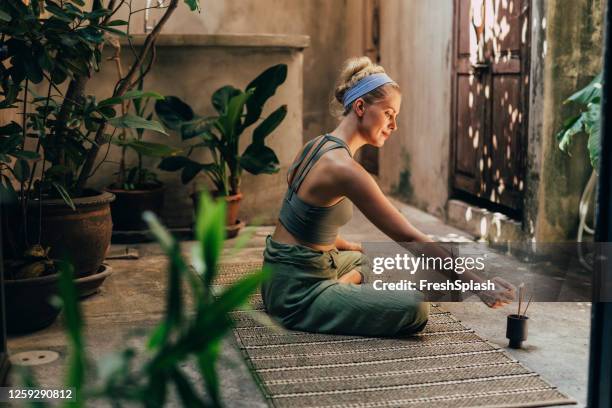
x=334, y=27
x=193, y=68
x=570, y=52
x=416, y=42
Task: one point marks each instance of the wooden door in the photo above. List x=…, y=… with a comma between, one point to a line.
x=490, y=105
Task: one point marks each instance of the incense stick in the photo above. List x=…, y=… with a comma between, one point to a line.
x=527, y=307
x=520, y=296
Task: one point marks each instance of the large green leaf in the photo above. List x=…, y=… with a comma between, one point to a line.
x=21, y=170
x=133, y=94
x=172, y=111
x=200, y=127
x=151, y=149
x=209, y=232
x=588, y=94
x=5, y=17
x=136, y=122
x=571, y=126
x=230, y=119
x=269, y=124
x=174, y=163
x=221, y=97
x=592, y=123
x=258, y=159
x=265, y=86
x=190, y=170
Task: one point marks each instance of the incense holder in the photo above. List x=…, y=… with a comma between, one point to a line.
x=516, y=330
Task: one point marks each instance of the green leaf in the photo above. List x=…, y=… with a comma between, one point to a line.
x=588, y=94
x=269, y=124
x=133, y=94
x=151, y=149
x=193, y=4
x=265, y=86
x=58, y=12
x=5, y=16
x=174, y=163
x=201, y=127
x=25, y=154
x=210, y=233
x=571, y=126
x=64, y=194
x=190, y=170
x=117, y=23
x=22, y=170
x=206, y=362
x=185, y=390
x=172, y=111
x=114, y=31
x=221, y=97
x=258, y=159
x=174, y=304
x=136, y=122
x=230, y=119
x=593, y=127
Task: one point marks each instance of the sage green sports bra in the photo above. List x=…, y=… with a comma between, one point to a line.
x=306, y=222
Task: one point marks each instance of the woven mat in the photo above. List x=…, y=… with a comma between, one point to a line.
x=447, y=365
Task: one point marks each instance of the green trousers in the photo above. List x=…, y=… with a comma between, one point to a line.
x=304, y=294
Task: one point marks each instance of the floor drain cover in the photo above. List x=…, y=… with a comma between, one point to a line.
x=34, y=357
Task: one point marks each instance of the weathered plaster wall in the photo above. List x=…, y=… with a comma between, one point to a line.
x=571, y=51
x=193, y=73
x=416, y=43
x=334, y=27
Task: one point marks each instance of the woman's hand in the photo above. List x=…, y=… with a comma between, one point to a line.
x=503, y=294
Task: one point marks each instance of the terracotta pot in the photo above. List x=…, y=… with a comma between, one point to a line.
x=81, y=236
x=28, y=306
x=232, y=201
x=233, y=224
x=129, y=205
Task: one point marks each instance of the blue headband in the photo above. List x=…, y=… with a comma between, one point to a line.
x=364, y=86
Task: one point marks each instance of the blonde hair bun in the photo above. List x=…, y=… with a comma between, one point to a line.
x=353, y=70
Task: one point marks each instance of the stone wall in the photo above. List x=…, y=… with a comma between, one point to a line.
x=416, y=42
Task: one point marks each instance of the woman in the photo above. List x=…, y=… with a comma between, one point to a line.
x=316, y=274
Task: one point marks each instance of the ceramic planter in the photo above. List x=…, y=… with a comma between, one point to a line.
x=127, y=209
x=232, y=224
x=516, y=330
x=84, y=235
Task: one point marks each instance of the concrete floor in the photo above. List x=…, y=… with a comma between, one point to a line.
x=131, y=301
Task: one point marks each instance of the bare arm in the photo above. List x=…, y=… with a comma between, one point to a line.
x=362, y=190
x=359, y=186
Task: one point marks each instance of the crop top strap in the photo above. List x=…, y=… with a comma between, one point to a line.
x=299, y=160
x=312, y=159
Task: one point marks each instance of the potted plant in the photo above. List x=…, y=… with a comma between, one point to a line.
x=220, y=135
x=588, y=121
x=50, y=151
x=147, y=376
x=137, y=189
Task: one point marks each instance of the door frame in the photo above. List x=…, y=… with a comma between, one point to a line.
x=525, y=55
